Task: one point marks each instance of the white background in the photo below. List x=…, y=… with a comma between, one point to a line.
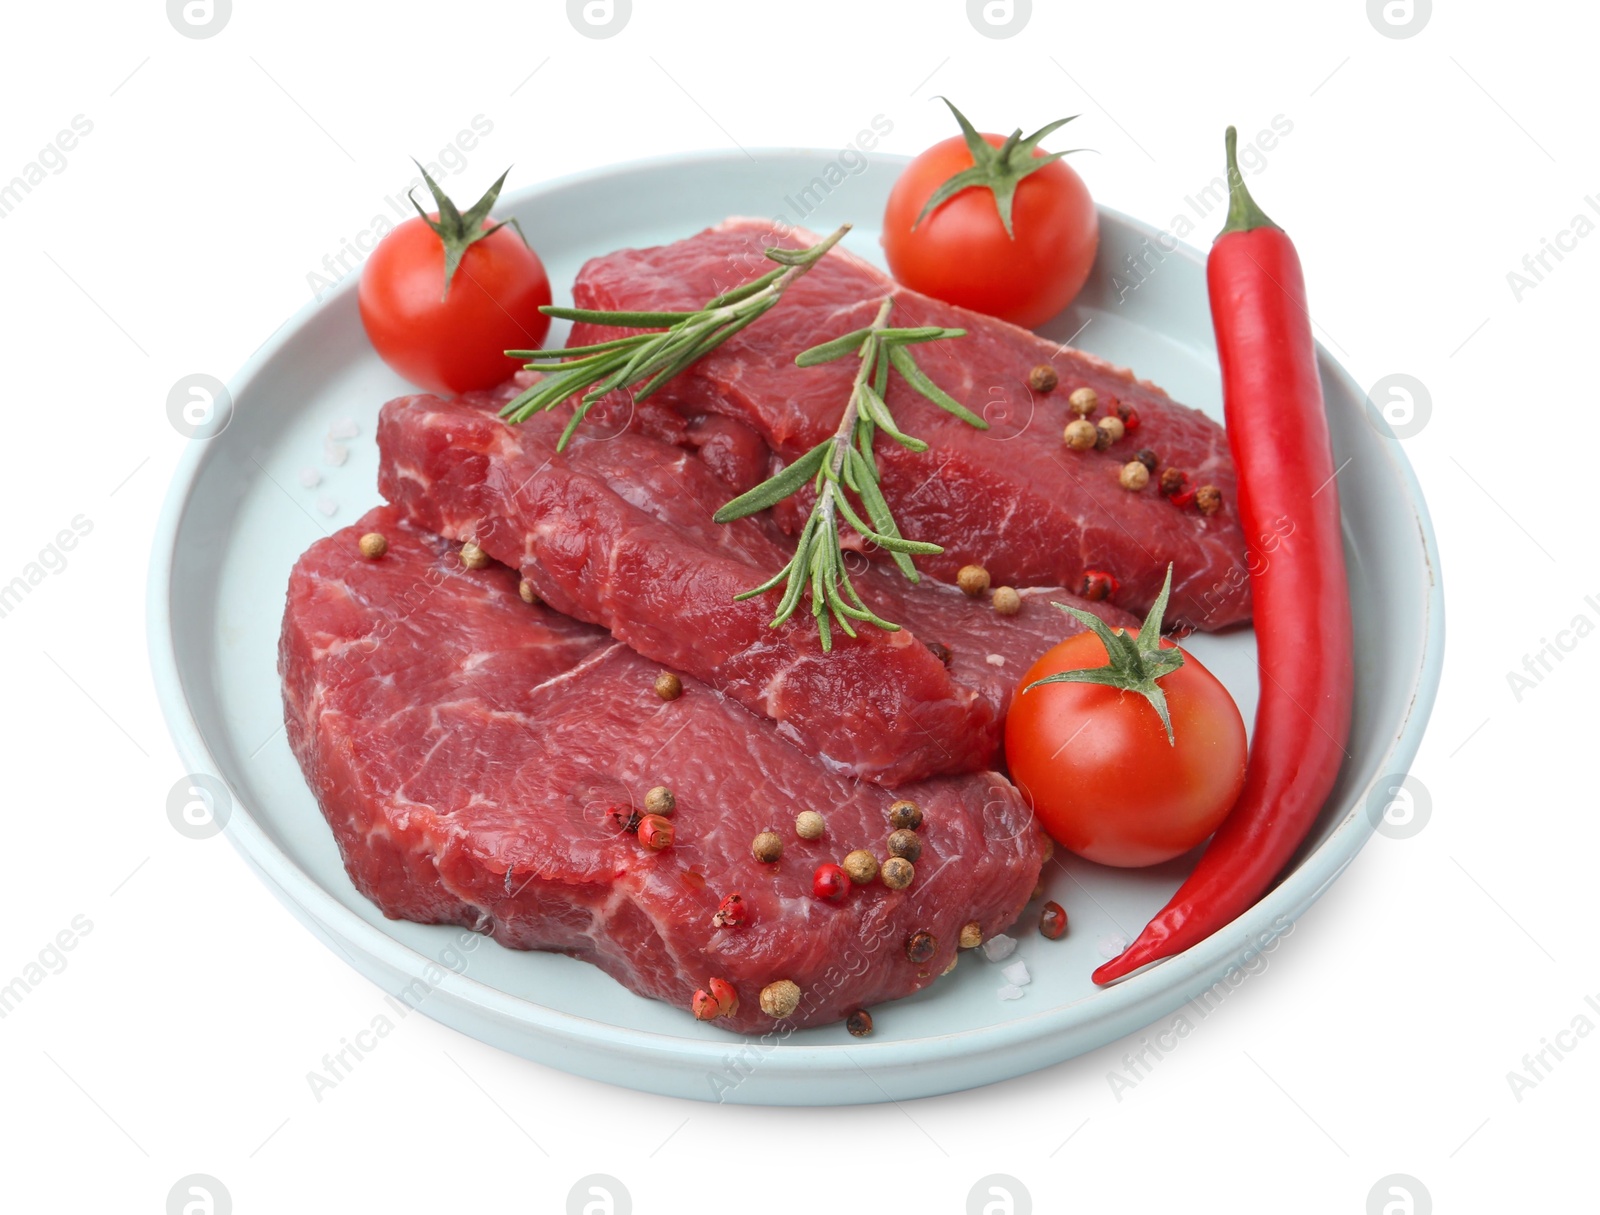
x=180, y=234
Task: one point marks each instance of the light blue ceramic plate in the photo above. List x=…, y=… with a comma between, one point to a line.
x=237, y=517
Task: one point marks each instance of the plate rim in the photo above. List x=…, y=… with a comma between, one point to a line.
x=331, y=921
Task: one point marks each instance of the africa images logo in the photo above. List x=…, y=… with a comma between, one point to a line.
x=599, y=18
x=1399, y=18
x=199, y=1194
x=999, y=1194
x=999, y=18
x=1399, y=1194
x=599, y=1194
x=199, y=18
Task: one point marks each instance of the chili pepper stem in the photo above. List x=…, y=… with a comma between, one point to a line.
x=1243, y=213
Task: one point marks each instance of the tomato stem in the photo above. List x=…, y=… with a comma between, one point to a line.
x=459, y=230
x=1133, y=664
x=997, y=170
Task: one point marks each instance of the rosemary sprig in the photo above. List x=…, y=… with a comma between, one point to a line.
x=844, y=461
x=645, y=361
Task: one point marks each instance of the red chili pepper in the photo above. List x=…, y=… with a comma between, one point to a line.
x=1278, y=432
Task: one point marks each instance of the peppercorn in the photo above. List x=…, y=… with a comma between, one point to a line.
x=921, y=945
x=1148, y=458
x=1173, y=481
x=1052, y=921
x=940, y=651
x=809, y=825
x=727, y=999
x=972, y=579
x=859, y=1023
x=655, y=832
x=1134, y=476
x=1043, y=378
x=1098, y=585
x=1006, y=601
x=1049, y=847
x=861, y=865
x=1080, y=434
x=905, y=815
x=971, y=935
x=1208, y=498
x=829, y=882
x=473, y=557
x=373, y=545
x=906, y=843
x=1108, y=431
x=627, y=820
x=525, y=589
x=730, y=912
x=704, y=1005
x=1129, y=416
x=781, y=998
x=660, y=800
x=668, y=686
x=896, y=873
x=766, y=847
x=1083, y=401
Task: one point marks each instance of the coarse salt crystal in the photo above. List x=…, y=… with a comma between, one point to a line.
x=334, y=454
x=344, y=428
x=310, y=478
x=327, y=506
x=996, y=660
x=1010, y=992
x=1017, y=973
x=1112, y=944
x=998, y=947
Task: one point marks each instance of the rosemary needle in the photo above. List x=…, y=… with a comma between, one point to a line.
x=645, y=361
x=845, y=461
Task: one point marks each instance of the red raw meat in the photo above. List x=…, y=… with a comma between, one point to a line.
x=468, y=751
x=1013, y=499
x=617, y=531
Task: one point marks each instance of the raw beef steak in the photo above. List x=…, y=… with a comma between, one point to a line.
x=474, y=754
x=1013, y=498
x=617, y=531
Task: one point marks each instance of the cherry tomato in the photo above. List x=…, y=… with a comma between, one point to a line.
x=1095, y=763
x=960, y=252
x=458, y=342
